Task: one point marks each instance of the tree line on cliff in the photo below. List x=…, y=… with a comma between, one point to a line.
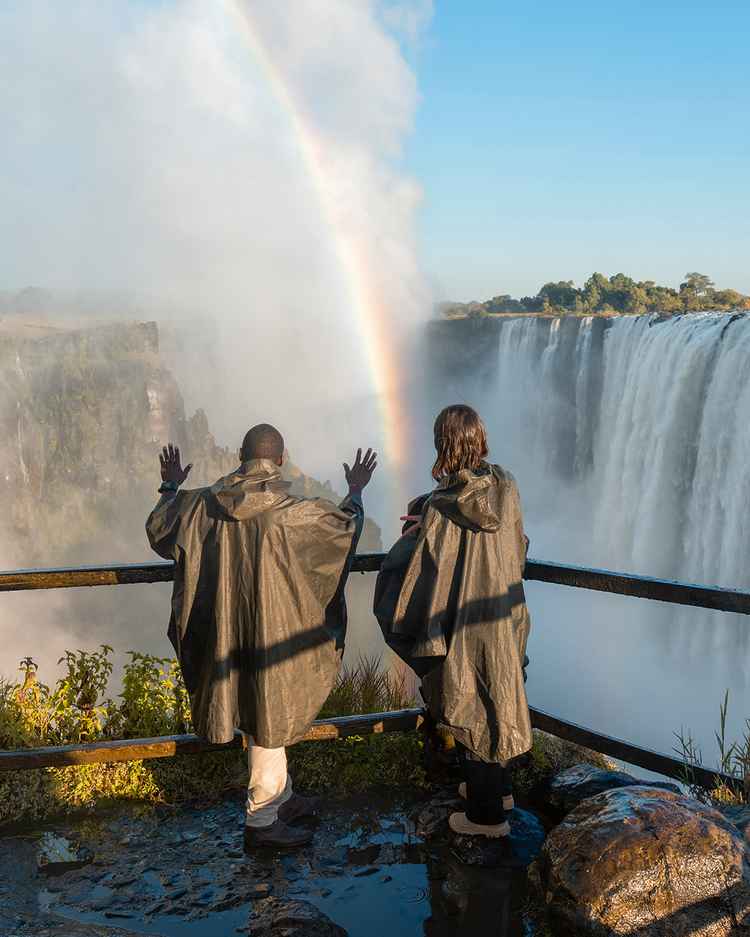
x=602, y=295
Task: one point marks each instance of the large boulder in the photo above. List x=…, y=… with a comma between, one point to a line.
x=574, y=785
x=648, y=862
x=739, y=815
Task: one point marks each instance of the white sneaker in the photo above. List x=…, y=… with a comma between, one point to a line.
x=460, y=823
x=508, y=802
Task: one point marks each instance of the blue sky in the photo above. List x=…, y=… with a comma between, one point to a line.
x=557, y=138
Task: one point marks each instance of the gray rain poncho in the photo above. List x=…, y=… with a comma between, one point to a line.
x=258, y=615
x=451, y=604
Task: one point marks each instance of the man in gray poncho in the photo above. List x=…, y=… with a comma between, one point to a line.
x=258, y=614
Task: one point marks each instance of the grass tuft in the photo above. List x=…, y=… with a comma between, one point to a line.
x=733, y=760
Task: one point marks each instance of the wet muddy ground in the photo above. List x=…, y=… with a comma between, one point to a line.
x=375, y=868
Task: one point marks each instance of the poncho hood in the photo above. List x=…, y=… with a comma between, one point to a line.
x=254, y=487
x=472, y=498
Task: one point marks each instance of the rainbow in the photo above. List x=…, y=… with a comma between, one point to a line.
x=350, y=250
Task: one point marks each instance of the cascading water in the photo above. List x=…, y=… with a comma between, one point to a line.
x=630, y=439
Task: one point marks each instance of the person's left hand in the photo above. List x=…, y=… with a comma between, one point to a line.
x=171, y=467
x=412, y=525
x=358, y=475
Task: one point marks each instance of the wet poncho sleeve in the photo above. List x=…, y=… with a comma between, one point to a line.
x=163, y=523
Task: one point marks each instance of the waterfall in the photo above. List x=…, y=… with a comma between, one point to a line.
x=671, y=459
x=586, y=401
x=642, y=422
x=630, y=440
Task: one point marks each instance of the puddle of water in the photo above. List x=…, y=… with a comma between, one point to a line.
x=395, y=900
x=217, y=924
x=367, y=871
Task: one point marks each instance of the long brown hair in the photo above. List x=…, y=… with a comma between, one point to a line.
x=460, y=440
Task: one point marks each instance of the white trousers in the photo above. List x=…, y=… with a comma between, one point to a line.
x=269, y=785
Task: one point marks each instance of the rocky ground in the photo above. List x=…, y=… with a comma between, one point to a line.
x=374, y=868
x=612, y=855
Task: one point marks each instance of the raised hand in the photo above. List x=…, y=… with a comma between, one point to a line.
x=171, y=467
x=359, y=475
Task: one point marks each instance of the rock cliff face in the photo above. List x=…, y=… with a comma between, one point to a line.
x=83, y=414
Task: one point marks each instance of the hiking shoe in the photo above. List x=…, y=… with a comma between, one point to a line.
x=278, y=835
x=508, y=802
x=299, y=807
x=462, y=825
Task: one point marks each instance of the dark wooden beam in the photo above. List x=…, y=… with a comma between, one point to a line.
x=642, y=587
x=580, y=577
x=404, y=720
x=20, y=580
x=632, y=754
x=166, y=746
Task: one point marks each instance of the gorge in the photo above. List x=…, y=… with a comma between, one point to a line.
x=626, y=435
x=84, y=410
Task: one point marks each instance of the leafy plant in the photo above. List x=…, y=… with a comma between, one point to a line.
x=153, y=701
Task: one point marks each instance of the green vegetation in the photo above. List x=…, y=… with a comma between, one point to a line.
x=734, y=761
x=602, y=295
x=153, y=701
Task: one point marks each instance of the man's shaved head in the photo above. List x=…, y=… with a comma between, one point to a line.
x=262, y=442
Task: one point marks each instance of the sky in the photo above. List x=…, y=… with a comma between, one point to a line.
x=555, y=139
x=549, y=140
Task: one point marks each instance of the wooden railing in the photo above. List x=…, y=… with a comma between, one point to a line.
x=579, y=577
x=600, y=580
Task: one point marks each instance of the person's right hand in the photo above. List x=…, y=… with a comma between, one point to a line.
x=359, y=475
x=171, y=466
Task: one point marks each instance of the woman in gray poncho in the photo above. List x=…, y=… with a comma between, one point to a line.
x=450, y=601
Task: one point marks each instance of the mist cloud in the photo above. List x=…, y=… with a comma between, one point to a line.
x=146, y=151
x=146, y=155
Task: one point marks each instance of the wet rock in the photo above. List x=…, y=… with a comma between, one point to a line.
x=570, y=787
x=647, y=862
x=433, y=816
x=739, y=816
x=516, y=851
x=227, y=902
x=121, y=881
x=57, y=854
x=102, y=900
x=261, y=890
x=274, y=917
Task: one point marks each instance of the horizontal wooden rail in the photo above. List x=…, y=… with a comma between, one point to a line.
x=632, y=754
x=678, y=593
x=403, y=720
x=165, y=746
x=579, y=577
x=641, y=587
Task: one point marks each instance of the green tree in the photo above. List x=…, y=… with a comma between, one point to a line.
x=697, y=283
x=594, y=291
x=560, y=295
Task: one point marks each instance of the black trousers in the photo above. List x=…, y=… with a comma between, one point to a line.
x=486, y=785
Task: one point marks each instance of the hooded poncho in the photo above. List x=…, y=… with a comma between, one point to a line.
x=258, y=615
x=451, y=604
